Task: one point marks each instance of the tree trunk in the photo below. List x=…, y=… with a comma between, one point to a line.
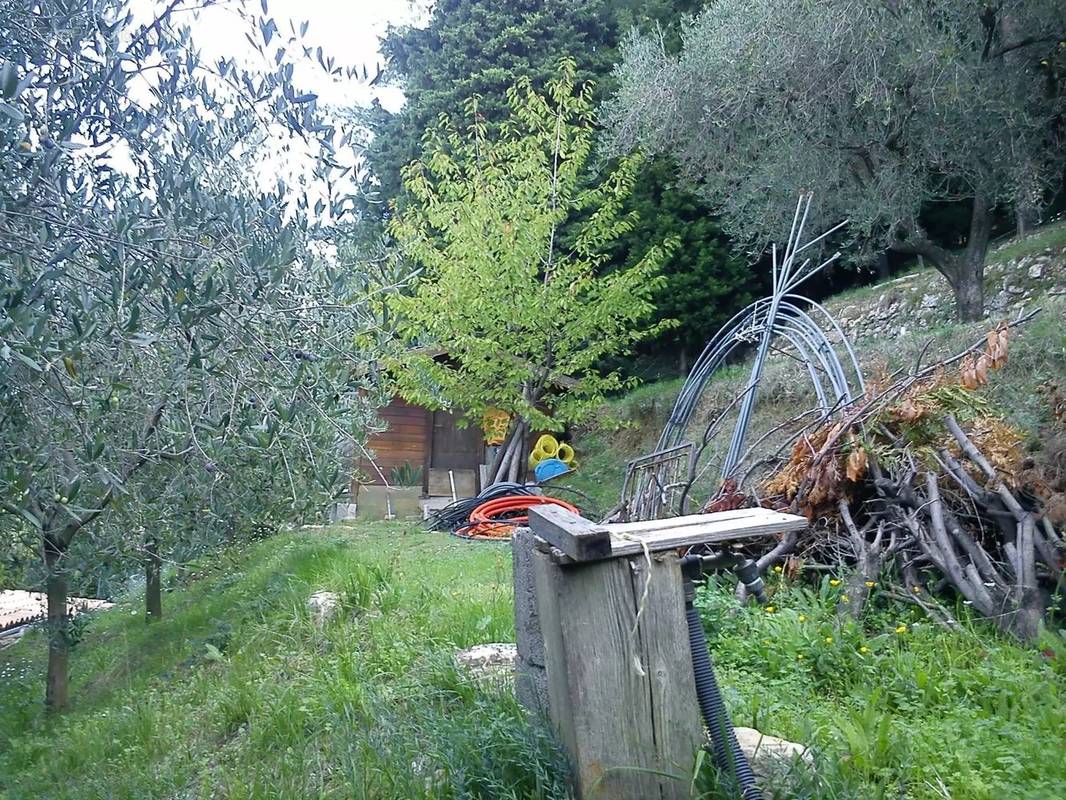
x=153, y=595
x=1026, y=218
x=516, y=468
x=969, y=277
x=883, y=272
x=57, y=688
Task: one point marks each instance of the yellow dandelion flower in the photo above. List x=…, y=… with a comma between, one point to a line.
x=844, y=598
x=864, y=649
x=916, y=589
x=778, y=569
x=802, y=617
x=871, y=584
x=769, y=609
x=901, y=629
x=799, y=657
x=834, y=582
x=828, y=639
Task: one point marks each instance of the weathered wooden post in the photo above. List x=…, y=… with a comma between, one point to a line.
x=600, y=619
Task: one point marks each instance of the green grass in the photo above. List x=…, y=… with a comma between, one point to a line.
x=236, y=694
x=1051, y=236
x=895, y=707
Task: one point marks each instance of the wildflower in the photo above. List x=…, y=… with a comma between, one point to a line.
x=834, y=582
x=843, y=598
x=802, y=617
x=799, y=657
x=828, y=639
x=916, y=589
x=769, y=609
x=901, y=629
x=778, y=570
x=871, y=584
x=864, y=649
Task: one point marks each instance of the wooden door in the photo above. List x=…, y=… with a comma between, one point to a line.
x=454, y=447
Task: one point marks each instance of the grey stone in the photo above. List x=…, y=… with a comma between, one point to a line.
x=323, y=607
x=1036, y=271
x=343, y=512
x=493, y=661
x=770, y=757
x=930, y=301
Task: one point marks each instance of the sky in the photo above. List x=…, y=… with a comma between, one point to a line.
x=346, y=29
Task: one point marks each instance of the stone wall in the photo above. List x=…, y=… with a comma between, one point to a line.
x=923, y=300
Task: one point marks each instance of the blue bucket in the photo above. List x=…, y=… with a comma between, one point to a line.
x=549, y=468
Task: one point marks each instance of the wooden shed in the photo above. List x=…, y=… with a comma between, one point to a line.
x=430, y=440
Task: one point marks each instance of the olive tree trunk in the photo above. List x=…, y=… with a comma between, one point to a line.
x=153, y=594
x=965, y=271
x=57, y=687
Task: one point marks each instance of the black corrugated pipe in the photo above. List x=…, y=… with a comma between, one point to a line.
x=727, y=753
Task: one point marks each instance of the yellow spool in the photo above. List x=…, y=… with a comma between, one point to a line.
x=548, y=445
x=565, y=453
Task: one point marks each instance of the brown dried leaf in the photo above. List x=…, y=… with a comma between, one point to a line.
x=857, y=462
x=908, y=411
x=968, y=374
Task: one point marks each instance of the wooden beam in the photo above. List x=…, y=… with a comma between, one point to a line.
x=577, y=537
x=727, y=526
x=621, y=693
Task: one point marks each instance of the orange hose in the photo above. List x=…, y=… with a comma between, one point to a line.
x=485, y=522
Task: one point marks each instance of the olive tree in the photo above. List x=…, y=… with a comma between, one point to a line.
x=169, y=331
x=881, y=108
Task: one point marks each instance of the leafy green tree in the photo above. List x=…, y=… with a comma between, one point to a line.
x=704, y=282
x=879, y=107
x=474, y=47
x=169, y=333
x=478, y=47
x=523, y=316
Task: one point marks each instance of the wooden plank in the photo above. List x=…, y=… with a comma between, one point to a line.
x=574, y=535
x=675, y=720
x=682, y=522
x=621, y=692
x=715, y=531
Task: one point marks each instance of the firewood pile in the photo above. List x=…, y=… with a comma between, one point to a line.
x=923, y=488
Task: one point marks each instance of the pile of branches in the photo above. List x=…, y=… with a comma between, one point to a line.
x=924, y=482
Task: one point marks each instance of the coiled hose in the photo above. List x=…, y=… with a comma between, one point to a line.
x=727, y=753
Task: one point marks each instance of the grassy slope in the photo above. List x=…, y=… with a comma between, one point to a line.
x=237, y=695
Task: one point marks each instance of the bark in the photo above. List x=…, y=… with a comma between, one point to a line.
x=964, y=272
x=883, y=271
x=57, y=688
x=509, y=450
x=868, y=557
x=1026, y=217
x=970, y=275
x=153, y=594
